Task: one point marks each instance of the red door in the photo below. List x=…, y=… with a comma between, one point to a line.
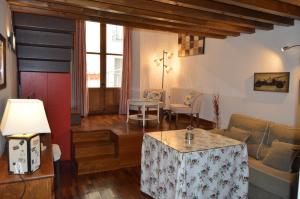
x=54, y=89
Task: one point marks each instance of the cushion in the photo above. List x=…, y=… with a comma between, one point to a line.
x=281, y=155
x=247, y=123
x=255, y=143
x=237, y=134
x=217, y=131
x=284, y=134
x=180, y=108
x=188, y=100
x=253, y=150
x=263, y=152
x=272, y=180
x=256, y=137
x=154, y=95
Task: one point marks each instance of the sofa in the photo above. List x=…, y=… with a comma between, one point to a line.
x=273, y=151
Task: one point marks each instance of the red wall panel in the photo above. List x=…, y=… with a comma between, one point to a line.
x=59, y=111
x=34, y=84
x=54, y=89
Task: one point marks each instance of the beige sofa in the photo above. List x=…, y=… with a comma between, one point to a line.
x=267, y=182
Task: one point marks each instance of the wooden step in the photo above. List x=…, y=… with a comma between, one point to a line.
x=90, y=149
x=91, y=136
x=97, y=164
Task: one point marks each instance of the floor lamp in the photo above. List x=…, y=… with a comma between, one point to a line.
x=164, y=66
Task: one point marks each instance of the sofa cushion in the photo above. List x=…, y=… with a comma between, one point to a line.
x=237, y=134
x=281, y=155
x=154, y=95
x=188, y=100
x=253, y=150
x=283, y=133
x=180, y=108
x=272, y=180
x=247, y=123
x=217, y=131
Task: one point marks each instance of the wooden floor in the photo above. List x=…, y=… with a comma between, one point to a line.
x=117, y=123
x=117, y=184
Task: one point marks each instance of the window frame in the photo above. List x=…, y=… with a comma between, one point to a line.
x=103, y=55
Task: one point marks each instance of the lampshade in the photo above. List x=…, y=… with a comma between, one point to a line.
x=24, y=116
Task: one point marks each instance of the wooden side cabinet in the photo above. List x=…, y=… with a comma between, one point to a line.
x=36, y=185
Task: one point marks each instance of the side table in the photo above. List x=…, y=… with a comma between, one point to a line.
x=143, y=103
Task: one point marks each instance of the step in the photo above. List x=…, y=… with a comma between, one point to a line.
x=97, y=164
x=91, y=136
x=90, y=149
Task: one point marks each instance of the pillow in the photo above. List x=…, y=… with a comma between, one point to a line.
x=154, y=95
x=281, y=155
x=237, y=134
x=253, y=150
x=256, y=137
x=284, y=133
x=188, y=100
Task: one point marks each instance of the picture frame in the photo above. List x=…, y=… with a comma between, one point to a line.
x=272, y=82
x=2, y=62
x=190, y=45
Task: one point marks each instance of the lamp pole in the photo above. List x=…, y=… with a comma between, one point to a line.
x=163, y=70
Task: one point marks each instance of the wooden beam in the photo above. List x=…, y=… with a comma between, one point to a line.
x=268, y=6
x=116, y=16
x=39, y=11
x=158, y=9
x=231, y=29
x=293, y=2
x=127, y=19
x=231, y=10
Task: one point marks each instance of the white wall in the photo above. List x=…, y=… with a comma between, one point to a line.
x=11, y=70
x=227, y=68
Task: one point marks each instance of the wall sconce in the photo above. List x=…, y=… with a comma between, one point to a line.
x=285, y=48
x=12, y=41
x=161, y=61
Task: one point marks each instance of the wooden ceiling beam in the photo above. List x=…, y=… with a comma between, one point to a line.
x=40, y=11
x=293, y=2
x=230, y=10
x=165, y=17
x=269, y=6
x=146, y=8
x=115, y=16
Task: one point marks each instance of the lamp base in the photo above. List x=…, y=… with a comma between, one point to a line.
x=24, y=153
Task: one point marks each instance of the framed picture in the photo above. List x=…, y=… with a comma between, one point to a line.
x=189, y=45
x=273, y=82
x=2, y=62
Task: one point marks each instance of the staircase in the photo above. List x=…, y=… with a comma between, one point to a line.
x=95, y=151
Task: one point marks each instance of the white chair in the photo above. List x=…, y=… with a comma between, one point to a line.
x=160, y=94
x=184, y=101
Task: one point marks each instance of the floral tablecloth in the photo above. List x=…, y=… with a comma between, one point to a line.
x=212, y=166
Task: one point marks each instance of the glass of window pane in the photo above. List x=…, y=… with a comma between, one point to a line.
x=92, y=33
x=93, y=70
x=114, y=66
x=114, y=39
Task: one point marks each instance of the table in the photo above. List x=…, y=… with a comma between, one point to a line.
x=211, y=166
x=143, y=103
x=39, y=184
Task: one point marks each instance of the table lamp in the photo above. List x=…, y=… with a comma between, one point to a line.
x=22, y=121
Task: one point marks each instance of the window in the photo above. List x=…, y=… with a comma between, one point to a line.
x=106, y=56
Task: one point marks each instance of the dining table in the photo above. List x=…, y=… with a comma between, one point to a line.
x=207, y=166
